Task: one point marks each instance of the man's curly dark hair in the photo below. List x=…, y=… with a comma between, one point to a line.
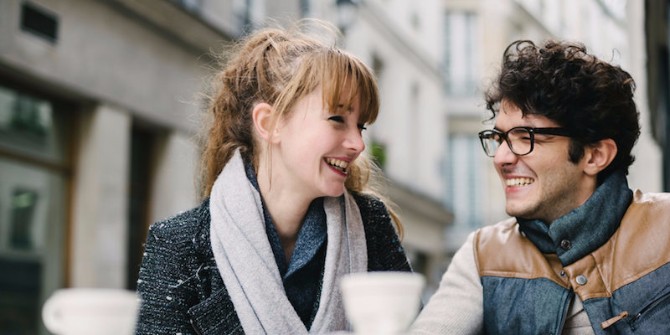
x=561, y=81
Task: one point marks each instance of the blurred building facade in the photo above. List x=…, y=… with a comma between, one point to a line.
x=656, y=28
x=401, y=41
x=477, y=33
x=99, y=113
x=99, y=117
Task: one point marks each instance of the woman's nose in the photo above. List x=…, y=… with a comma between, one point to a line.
x=355, y=141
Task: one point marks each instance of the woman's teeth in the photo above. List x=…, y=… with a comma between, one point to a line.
x=337, y=163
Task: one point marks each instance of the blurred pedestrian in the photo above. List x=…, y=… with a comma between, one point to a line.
x=583, y=254
x=289, y=210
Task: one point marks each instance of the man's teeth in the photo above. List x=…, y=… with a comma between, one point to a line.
x=519, y=181
x=339, y=164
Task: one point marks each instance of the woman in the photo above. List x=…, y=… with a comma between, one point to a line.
x=289, y=208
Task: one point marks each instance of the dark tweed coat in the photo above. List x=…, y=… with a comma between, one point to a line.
x=180, y=286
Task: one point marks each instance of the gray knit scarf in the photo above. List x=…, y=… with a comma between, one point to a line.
x=245, y=260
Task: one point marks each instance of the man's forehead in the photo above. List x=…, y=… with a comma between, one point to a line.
x=509, y=118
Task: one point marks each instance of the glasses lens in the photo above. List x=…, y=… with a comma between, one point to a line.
x=490, y=142
x=520, y=140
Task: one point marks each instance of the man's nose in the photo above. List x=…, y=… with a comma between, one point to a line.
x=504, y=154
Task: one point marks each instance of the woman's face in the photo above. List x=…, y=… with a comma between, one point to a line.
x=315, y=146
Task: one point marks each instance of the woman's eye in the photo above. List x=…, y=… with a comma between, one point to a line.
x=336, y=118
x=362, y=126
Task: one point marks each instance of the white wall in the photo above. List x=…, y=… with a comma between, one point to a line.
x=646, y=173
x=412, y=121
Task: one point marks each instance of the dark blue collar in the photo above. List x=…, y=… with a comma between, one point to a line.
x=587, y=227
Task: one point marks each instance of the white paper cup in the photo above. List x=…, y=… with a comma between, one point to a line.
x=382, y=302
x=87, y=311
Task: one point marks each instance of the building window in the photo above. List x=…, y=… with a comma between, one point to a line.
x=243, y=10
x=39, y=21
x=464, y=184
x=193, y=6
x=460, y=61
x=305, y=10
x=34, y=161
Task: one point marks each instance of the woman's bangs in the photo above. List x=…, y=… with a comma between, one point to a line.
x=346, y=77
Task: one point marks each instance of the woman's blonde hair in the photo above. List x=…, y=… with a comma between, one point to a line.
x=279, y=67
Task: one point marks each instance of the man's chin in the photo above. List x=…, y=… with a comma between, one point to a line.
x=516, y=211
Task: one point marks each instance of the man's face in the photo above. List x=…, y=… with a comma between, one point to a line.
x=543, y=184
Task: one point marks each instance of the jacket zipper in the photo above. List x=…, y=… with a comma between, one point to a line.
x=649, y=307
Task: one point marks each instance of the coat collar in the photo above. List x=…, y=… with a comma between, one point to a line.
x=585, y=228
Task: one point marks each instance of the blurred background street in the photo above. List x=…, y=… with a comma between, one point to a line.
x=100, y=117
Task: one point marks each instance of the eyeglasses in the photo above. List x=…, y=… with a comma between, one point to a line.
x=520, y=140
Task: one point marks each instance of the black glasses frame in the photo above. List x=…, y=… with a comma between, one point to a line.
x=486, y=135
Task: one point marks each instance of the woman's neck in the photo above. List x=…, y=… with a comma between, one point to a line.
x=286, y=208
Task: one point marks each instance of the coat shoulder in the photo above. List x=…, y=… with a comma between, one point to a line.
x=185, y=227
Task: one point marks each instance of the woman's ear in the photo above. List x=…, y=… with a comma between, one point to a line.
x=263, y=119
x=599, y=156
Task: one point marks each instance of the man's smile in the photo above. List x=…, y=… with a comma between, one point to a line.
x=519, y=181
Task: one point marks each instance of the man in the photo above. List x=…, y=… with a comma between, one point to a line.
x=583, y=254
